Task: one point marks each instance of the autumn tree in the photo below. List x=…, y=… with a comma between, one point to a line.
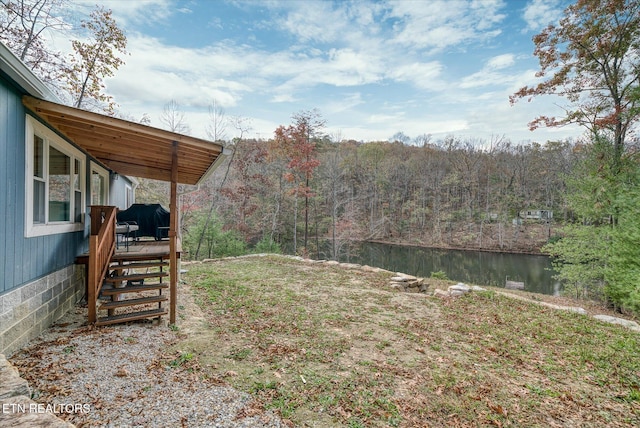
x=311, y=123
x=592, y=58
x=246, y=183
x=95, y=59
x=297, y=144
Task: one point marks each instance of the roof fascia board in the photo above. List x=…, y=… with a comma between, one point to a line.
x=22, y=76
x=221, y=157
x=54, y=113
x=107, y=122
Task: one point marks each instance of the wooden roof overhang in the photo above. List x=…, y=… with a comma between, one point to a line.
x=130, y=148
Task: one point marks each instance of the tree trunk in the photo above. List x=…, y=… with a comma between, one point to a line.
x=295, y=225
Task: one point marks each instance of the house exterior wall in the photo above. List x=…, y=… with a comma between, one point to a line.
x=38, y=278
x=118, y=191
x=22, y=259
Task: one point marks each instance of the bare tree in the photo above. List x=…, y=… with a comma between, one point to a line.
x=422, y=140
x=173, y=118
x=243, y=126
x=217, y=125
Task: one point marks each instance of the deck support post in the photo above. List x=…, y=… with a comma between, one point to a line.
x=173, y=236
x=93, y=270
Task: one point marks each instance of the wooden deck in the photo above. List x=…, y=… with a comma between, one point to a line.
x=143, y=248
x=147, y=247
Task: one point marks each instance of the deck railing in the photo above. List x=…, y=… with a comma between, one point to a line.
x=102, y=245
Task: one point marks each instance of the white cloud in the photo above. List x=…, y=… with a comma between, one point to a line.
x=128, y=14
x=501, y=61
x=343, y=103
x=422, y=75
x=156, y=73
x=438, y=24
x=490, y=73
x=353, y=60
x=315, y=21
x=540, y=13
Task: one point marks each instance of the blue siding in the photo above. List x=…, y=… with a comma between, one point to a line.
x=4, y=179
x=16, y=185
x=118, y=191
x=23, y=259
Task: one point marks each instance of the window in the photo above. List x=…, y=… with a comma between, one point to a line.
x=128, y=199
x=55, y=174
x=99, y=185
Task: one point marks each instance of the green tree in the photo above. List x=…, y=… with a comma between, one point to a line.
x=209, y=233
x=581, y=258
x=592, y=58
x=622, y=273
x=96, y=59
x=267, y=245
x=595, y=256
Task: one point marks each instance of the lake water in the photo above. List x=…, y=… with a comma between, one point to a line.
x=473, y=267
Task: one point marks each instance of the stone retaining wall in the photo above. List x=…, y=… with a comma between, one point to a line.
x=17, y=410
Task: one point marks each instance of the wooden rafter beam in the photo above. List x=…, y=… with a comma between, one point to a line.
x=130, y=148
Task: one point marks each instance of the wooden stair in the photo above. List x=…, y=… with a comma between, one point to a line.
x=133, y=288
x=122, y=318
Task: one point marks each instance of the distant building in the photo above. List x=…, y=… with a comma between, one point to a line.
x=536, y=214
x=492, y=216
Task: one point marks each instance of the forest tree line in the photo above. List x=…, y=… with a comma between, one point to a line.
x=453, y=193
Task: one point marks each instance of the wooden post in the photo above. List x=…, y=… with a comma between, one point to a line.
x=101, y=248
x=92, y=279
x=173, y=236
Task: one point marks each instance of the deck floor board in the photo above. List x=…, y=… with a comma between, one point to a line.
x=143, y=248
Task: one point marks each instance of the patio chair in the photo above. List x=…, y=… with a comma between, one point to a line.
x=124, y=229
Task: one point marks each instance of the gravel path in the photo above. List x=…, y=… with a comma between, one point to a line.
x=126, y=376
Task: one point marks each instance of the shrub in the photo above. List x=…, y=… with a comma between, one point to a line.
x=439, y=275
x=207, y=239
x=267, y=245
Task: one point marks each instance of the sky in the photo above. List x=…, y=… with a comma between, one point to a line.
x=372, y=69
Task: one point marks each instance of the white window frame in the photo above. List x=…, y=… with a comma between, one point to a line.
x=128, y=196
x=51, y=139
x=104, y=173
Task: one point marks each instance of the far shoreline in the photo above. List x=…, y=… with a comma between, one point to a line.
x=445, y=247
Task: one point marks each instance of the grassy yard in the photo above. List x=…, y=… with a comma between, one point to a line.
x=326, y=346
